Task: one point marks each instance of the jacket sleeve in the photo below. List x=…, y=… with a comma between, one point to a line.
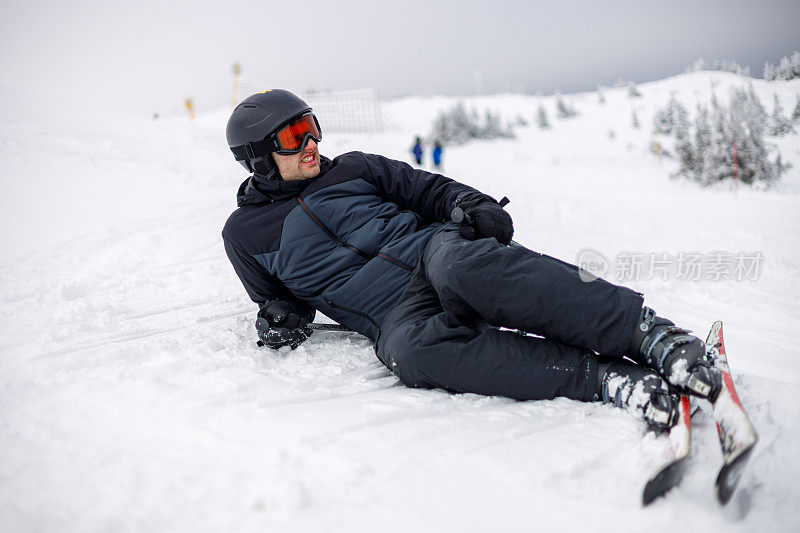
x=431, y=195
x=260, y=285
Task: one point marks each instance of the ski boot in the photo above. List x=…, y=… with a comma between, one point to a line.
x=637, y=389
x=675, y=354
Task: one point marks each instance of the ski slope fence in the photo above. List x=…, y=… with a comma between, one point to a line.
x=353, y=111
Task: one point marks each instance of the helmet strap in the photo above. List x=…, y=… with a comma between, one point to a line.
x=265, y=167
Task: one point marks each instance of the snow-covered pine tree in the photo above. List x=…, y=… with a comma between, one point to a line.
x=702, y=140
x=475, y=129
x=787, y=69
x=679, y=113
x=718, y=158
x=601, y=97
x=453, y=126
x=756, y=108
x=683, y=145
x=769, y=71
x=491, y=128
x=541, y=118
x=726, y=65
x=746, y=128
x=441, y=127
x=796, y=112
x=698, y=65
x=633, y=91
x=563, y=109
x=662, y=121
x=721, y=131
x=780, y=166
x=456, y=126
x=635, y=119
x=665, y=119
x=779, y=125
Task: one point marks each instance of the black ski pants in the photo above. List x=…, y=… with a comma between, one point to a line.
x=445, y=330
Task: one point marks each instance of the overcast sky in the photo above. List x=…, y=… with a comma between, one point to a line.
x=147, y=55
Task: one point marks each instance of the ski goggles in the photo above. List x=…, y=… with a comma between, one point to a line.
x=293, y=137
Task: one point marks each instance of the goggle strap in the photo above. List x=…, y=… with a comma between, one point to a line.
x=253, y=150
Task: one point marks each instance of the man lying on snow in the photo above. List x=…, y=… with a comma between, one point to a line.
x=425, y=267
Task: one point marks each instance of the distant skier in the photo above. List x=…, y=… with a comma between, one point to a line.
x=417, y=151
x=425, y=266
x=437, y=155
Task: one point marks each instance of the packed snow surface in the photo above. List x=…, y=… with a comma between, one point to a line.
x=133, y=396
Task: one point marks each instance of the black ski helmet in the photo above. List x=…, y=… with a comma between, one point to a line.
x=254, y=119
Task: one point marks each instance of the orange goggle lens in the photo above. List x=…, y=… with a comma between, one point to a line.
x=293, y=136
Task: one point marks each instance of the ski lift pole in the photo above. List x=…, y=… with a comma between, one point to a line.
x=189, y=105
x=735, y=173
x=237, y=68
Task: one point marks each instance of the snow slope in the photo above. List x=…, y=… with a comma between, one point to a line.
x=133, y=397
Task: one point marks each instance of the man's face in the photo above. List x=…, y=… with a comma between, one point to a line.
x=300, y=166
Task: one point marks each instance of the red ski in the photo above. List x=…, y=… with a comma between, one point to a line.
x=736, y=434
x=672, y=473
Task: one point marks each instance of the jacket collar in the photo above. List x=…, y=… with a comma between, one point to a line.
x=263, y=189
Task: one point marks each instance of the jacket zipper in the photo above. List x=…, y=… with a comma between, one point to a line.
x=359, y=313
x=338, y=241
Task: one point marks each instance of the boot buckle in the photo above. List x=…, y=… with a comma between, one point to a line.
x=697, y=386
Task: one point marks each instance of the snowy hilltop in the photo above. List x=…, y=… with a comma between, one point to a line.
x=133, y=396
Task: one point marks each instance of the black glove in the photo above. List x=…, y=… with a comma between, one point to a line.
x=279, y=324
x=482, y=217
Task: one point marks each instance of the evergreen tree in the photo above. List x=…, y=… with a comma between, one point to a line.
x=756, y=108
x=679, y=113
x=796, y=112
x=601, y=97
x=563, y=109
x=702, y=140
x=474, y=129
x=727, y=65
x=780, y=166
x=633, y=91
x=665, y=119
x=778, y=124
x=747, y=131
x=683, y=145
x=787, y=69
x=492, y=128
x=717, y=160
x=453, y=126
x=720, y=133
x=456, y=126
x=769, y=71
x=698, y=65
x=635, y=119
x=662, y=121
x=541, y=118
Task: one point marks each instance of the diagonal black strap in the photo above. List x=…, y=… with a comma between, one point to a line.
x=252, y=150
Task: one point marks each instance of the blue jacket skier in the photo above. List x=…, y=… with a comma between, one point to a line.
x=436, y=155
x=425, y=266
x=417, y=150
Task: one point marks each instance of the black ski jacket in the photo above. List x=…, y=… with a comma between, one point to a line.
x=344, y=242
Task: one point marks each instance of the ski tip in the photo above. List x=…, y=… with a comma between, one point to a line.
x=730, y=475
x=664, y=481
x=714, y=333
